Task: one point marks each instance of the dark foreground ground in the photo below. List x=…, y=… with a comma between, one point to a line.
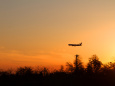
x=57, y=79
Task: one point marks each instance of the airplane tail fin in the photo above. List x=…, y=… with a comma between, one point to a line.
x=81, y=43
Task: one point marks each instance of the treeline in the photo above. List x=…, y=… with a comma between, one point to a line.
x=94, y=74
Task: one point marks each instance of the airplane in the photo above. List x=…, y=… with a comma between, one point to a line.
x=80, y=44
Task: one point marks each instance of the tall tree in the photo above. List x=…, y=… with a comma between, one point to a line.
x=94, y=64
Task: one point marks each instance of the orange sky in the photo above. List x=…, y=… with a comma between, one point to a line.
x=37, y=32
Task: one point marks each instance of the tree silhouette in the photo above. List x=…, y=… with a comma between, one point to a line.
x=24, y=71
x=78, y=65
x=96, y=74
x=94, y=65
x=70, y=68
x=45, y=71
x=61, y=69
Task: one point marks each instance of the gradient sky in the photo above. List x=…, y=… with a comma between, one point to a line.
x=37, y=32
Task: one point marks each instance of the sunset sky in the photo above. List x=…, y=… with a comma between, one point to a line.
x=37, y=32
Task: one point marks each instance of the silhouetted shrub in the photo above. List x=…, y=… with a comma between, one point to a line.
x=24, y=71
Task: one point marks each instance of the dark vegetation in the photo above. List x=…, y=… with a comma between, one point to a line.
x=94, y=74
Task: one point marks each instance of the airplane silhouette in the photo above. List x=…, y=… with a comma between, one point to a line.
x=80, y=44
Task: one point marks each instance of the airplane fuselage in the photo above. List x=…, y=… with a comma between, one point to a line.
x=75, y=44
